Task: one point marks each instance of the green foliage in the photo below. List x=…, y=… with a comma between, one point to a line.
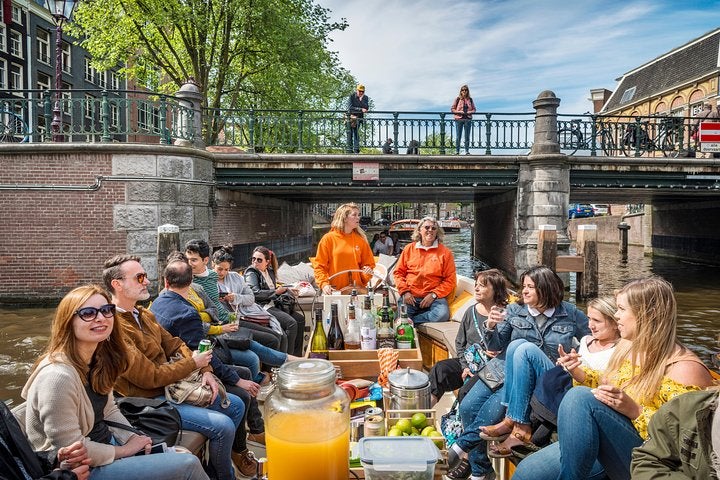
x=243, y=54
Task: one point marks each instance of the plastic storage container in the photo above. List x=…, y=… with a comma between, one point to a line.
x=392, y=458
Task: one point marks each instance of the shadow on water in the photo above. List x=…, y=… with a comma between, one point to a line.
x=24, y=332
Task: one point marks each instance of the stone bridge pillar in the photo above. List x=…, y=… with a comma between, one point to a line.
x=543, y=186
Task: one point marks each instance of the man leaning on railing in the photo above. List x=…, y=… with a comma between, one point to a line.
x=358, y=105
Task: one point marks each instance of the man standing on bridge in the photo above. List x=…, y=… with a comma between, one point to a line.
x=358, y=105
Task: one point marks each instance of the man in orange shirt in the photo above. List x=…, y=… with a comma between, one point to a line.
x=425, y=274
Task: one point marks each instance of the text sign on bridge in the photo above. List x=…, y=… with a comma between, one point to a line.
x=366, y=171
x=709, y=136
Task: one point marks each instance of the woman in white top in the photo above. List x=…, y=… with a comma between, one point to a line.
x=595, y=350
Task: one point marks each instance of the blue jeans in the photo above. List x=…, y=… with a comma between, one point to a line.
x=479, y=407
x=524, y=364
x=459, y=126
x=353, y=138
x=252, y=357
x=218, y=425
x=592, y=437
x=159, y=466
x=437, y=312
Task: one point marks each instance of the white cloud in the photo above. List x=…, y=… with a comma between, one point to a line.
x=414, y=55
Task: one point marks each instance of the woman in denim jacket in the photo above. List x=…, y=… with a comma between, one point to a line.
x=530, y=333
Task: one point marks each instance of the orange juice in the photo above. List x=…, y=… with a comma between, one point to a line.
x=306, y=445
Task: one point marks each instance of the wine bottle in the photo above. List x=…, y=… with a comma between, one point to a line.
x=318, y=341
x=335, y=339
x=352, y=336
x=368, y=330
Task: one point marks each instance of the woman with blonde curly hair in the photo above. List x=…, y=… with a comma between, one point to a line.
x=344, y=247
x=70, y=395
x=601, y=421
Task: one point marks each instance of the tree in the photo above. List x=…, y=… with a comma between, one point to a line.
x=244, y=54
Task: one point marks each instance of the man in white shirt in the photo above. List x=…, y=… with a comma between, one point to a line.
x=384, y=244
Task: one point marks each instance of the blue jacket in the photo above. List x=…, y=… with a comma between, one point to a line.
x=179, y=317
x=566, y=324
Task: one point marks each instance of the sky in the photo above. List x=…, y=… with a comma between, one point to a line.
x=413, y=55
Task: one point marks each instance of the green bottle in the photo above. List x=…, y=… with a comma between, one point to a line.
x=318, y=341
x=404, y=333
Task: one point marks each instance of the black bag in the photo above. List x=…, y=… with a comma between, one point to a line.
x=239, y=340
x=158, y=419
x=550, y=389
x=286, y=302
x=492, y=373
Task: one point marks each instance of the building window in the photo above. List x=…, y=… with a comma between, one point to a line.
x=89, y=105
x=43, y=82
x=114, y=81
x=66, y=58
x=3, y=36
x=89, y=71
x=18, y=15
x=66, y=99
x=102, y=79
x=43, y=46
x=3, y=74
x=114, y=115
x=16, y=77
x=148, y=117
x=628, y=95
x=16, y=44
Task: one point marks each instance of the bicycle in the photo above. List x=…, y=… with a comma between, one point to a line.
x=13, y=128
x=637, y=141
x=572, y=139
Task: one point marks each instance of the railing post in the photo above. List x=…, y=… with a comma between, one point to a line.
x=638, y=133
x=593, y=136
x=189, y=116
x=251, y=132
x=105, y=117
x=442, y=134
x=488, y=133
x=396, y=131
x=546, y=131
x=300, y=131
x=47, y=115
x=164, y=131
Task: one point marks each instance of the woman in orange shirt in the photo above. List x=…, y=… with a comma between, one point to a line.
x=344, y=247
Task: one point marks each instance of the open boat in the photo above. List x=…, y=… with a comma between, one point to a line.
x=450, y=226
x=401, y=232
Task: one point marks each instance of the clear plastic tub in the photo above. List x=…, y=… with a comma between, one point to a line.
x=398, y=458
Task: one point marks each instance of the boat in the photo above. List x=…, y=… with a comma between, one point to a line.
x=450, y=225
x=404, y=230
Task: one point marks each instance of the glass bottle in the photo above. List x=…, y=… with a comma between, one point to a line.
x=306, y=394
x=368, y=330
x=386, y=333
x=404, y=333
x=335, y=338
x=352, y=337
x=386, y=304
x=318, y=341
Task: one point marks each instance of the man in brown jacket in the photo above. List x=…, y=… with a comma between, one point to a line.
x=150, y=369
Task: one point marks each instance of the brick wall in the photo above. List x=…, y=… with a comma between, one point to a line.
x=53, y=241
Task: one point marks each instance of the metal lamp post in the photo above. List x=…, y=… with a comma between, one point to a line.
x=61, y=11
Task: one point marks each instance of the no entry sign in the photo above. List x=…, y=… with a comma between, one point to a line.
x=709, y=136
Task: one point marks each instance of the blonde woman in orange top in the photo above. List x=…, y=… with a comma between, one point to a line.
x=344, y=247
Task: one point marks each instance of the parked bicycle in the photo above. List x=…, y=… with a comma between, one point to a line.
x=13, y=128
x=637, y=140
x=573, y=139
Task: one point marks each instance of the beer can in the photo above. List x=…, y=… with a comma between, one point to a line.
x=374, y=424
x=204, y=345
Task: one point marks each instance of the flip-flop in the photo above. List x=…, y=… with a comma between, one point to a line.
x=522, y=451
x=492, y=435
x=498, y=451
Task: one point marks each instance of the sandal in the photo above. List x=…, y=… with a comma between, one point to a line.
x=496, y=433
x=523, y=450
x=503, y=450
x=460, y=472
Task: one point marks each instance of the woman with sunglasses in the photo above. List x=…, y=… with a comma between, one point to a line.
x=69, y=395
x=463, y=108
x=425, y=274
x=344, y=247
x=260, y=277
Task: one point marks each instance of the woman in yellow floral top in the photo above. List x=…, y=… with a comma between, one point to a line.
x=603, y=419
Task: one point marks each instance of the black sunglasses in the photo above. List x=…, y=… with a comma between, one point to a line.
x=88, y=314
x=257, y=259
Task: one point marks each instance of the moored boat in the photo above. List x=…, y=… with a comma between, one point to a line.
x=450, y=225
x=404, y=230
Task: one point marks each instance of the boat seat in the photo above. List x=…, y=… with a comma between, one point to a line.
x=193, y=441
x=442, y=332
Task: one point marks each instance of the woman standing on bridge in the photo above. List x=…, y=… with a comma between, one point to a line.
x=463, y=108
x=344, y=247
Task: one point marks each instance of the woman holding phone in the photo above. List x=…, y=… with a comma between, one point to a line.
x=69, y=395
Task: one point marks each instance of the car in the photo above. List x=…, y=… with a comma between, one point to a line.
x=381, y=222
x=601, y=209
x=580, y=210
x=365, y=221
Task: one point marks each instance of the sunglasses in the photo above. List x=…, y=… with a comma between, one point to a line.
x=88, y=314
x=463, y=89
x=429, y=228
x=141, y=277
x=257, y=259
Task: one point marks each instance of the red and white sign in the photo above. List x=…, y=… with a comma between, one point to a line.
x=366, y=171
x=709, y=136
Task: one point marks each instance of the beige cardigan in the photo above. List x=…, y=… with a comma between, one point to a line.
x=58, y=412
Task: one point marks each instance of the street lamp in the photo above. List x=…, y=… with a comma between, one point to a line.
x=61, y=11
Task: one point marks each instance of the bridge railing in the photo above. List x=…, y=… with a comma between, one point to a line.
x=327, y=131
x=95, y=116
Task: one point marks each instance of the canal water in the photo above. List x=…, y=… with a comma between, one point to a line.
x=24, y=332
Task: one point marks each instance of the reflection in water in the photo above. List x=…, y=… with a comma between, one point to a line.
x=24, y=332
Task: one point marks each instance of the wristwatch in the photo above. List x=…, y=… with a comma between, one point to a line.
x=434, y=295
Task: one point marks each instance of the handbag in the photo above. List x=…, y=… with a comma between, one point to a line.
x=238, y=340
x=475, y=357
x=263, y=320
x=285, y=302
x=492, y=373
x=157, y=419
x=191, y=390
x=451, y=426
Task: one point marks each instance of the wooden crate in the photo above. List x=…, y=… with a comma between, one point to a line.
x=365, y=364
